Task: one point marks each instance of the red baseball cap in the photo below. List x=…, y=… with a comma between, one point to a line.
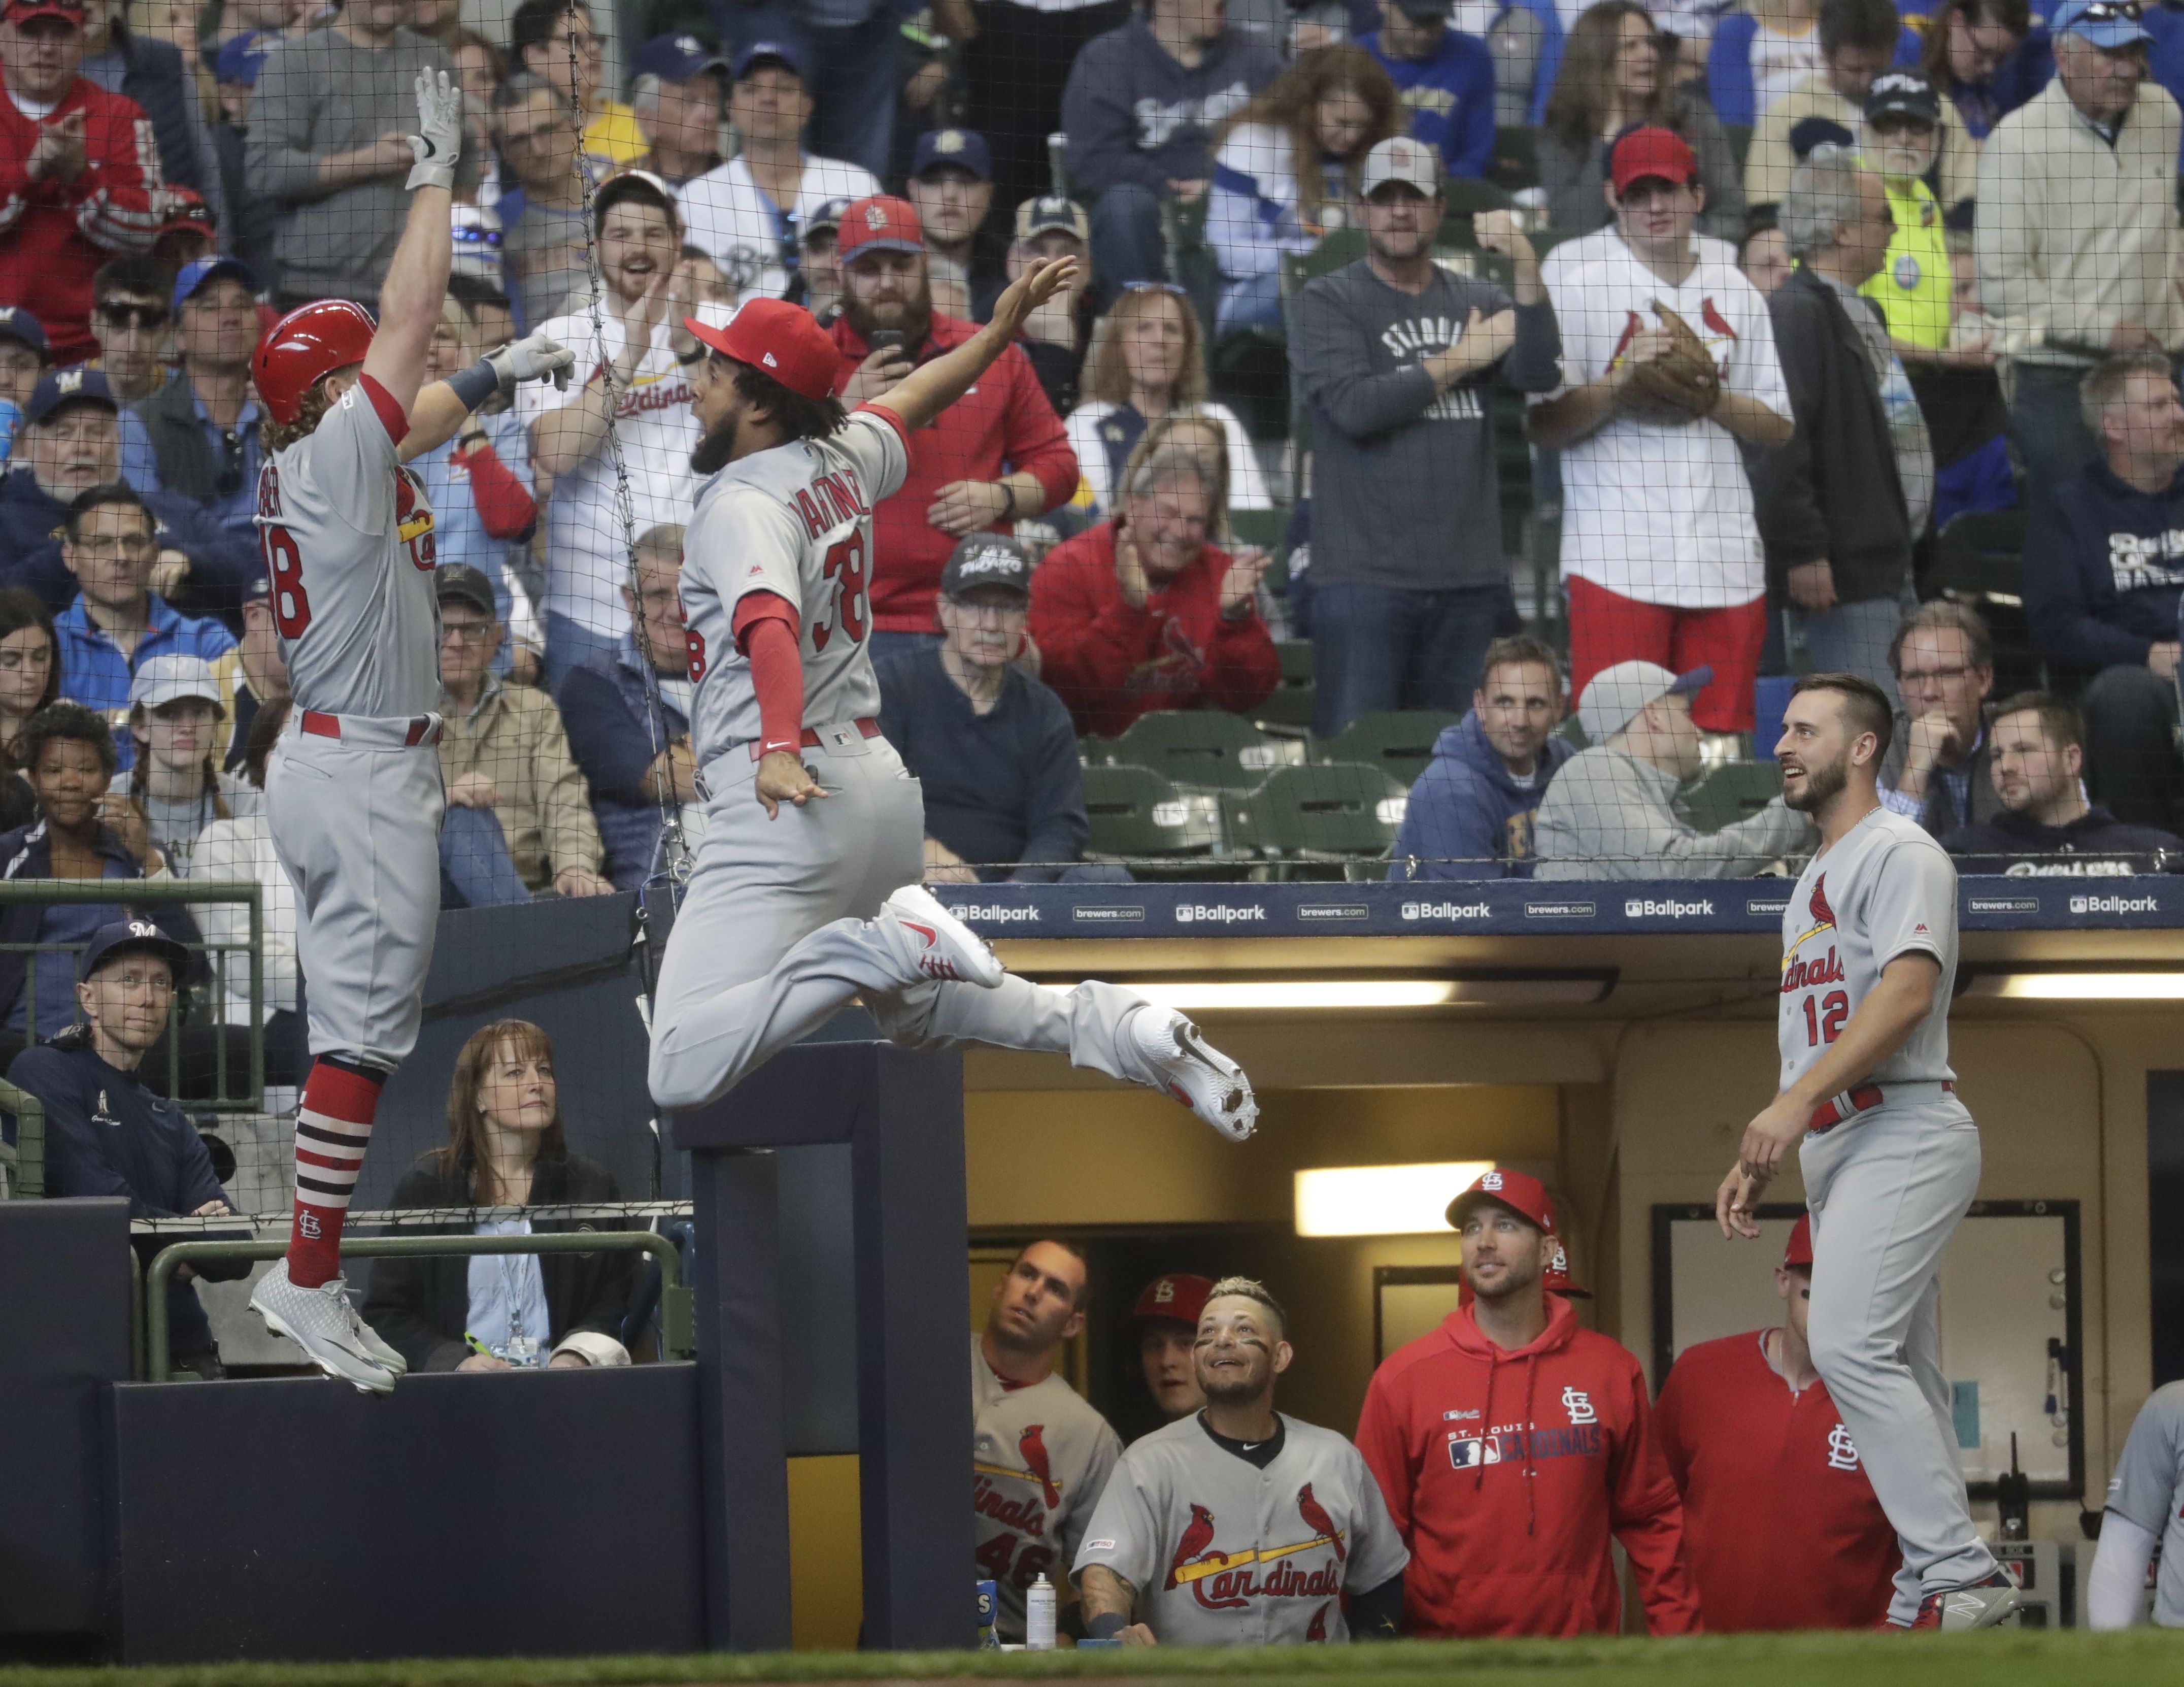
x=23, y=11
x=1178, y=1295
x=1651, y=153
x=782, y=340
x=879, y=223
x=1526, y=1196
x=1800, y=1250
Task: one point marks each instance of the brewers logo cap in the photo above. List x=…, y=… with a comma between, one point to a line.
x=880, y=223
x=987, y=559
x=1179, y=1295
x=18, y=324
x=780, y=339
x=136, y=934
x=63, y=387
x=1050, y=214
x=1525, y=1196
x=963, y=149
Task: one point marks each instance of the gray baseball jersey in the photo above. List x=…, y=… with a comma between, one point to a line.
x=1039, y=1458
x=1884, y=890
x=2148, y=1488
x=1222, y=1553
x=796, y=521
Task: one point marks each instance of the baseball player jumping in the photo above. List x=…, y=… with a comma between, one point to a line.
x=1890, y=1158
x=806, y=892
x=353, y=788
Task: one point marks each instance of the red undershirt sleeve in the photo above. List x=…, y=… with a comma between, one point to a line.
x=766, y=630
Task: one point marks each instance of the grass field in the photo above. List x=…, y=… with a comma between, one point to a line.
x=2009, y=1659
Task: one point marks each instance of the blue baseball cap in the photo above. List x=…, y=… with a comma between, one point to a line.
x=240, y=59
x=779, y=52
x=195, y=275
x=2105, y=23
x=963, y=148
x=138, y=935
x=63, y=387
x=18, y=324
x=675, y=57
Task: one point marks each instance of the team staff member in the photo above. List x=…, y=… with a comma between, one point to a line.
x=1512, y=1444
x=1890, y=1157
x=1237, y=1525
x=107, y=1134
x=1039, y=1455
x=1165, y=1319
x=1781, y=1525
x=2143, y=1514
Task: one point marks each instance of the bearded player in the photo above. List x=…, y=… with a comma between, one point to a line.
x=353, y=788
x=806, y=892
x=1890, y=1157
x=1238, y=1525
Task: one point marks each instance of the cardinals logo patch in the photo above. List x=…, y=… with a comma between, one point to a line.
x=1032, y=1446
x=1822, y=913
x=1317, y=1519
x=1197, y=1536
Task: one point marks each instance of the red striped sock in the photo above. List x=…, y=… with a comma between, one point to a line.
x=333, y=1127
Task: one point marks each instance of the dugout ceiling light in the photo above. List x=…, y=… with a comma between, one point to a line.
x=1382, y=1200
x=2079, y=986
x=1262, y=995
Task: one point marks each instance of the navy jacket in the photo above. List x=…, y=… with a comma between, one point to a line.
x=2094, y=846
x=1002, y=787
x=108, y=1135
x=1133, y=113
x=604, y=712
x=30, y=548
x=154, y=75
x=1467, y=810
x=27, y=852
x=2104, y=569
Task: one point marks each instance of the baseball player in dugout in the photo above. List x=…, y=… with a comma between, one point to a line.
x=806, y=888
x=1165, y=1320
x=1513, y=1446
x=1890, y=1157
x=353, y=788
x=1779, y=1522
x=1039, y=1455
x=1238, y=1525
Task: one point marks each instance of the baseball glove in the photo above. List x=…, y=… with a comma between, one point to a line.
x=1681, y=387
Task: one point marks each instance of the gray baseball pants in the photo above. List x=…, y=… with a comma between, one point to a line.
x=1886, y=1189
x=770, y=938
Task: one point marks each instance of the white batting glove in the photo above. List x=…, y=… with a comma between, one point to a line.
x=440, y=118
x=535, y=357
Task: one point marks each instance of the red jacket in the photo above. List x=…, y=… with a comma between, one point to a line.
x=1112, y=663
x=1779, y=1521
x=1508, y=1473
x=1003, y=425
x=54, y=235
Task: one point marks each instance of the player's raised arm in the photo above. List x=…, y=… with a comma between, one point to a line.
x=933, y=386
x=417, y=278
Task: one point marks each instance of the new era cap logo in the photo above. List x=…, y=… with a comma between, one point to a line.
x=768, y=360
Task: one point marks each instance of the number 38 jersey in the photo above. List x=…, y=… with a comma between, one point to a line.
x=346, y=534
x=1887, y=889
x=796, y=521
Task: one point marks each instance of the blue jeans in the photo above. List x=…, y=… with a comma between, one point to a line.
x=1388, y=647
x=1853, y=638
x=852, y=73
x=1126, y=238
x=1255, y=302
x=476, y=870
x=570, y=645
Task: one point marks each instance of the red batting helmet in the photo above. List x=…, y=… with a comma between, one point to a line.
x=304, y=348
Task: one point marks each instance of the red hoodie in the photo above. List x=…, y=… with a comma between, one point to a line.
x=1507, y=1471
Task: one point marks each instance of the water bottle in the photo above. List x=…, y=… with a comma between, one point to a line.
x=1038, y=1616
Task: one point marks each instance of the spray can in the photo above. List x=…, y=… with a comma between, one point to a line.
x=1038, y=1616
x=989, y=1600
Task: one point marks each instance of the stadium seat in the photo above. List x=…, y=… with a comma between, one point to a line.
x=1204, y=749
x=1771, y=695
x=1139, y=816
x=1190, y=258
x=1515, y=163
x=1304, y=818
x=1740, y=143
x=1398, y=742
x=1977, y=561
x=1287, y=711
x=1736, y=791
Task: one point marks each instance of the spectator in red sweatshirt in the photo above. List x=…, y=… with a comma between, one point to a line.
x=1141, y=613
x=997, y=455
x=74, y=188
x=1512, y=1444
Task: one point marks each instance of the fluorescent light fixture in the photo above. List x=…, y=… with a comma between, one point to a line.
x=1217, y=995
x=2080, y=987
x=1382, y=1200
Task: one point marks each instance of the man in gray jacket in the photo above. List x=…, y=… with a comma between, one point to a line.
x=1398, y=358
x=326, y=127
x=1607, y=814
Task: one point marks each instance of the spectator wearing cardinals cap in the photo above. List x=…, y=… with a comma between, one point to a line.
x=997, y=456
x=1780, y=1523
x=1513, y=1446
x=75, y=182
x=1166, y=1320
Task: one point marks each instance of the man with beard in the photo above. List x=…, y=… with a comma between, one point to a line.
x=1513, y=1447
x=994, y=459
x=1889, y=1156
x=1040, y=1457
x=637, y=390
x=1237, y=1525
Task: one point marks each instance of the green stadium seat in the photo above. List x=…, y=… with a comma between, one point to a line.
x=1734, y=791
x=1204, y=749
x=1740, y=143
x=1289, y=711
x=1398, y=742
x=1978, y=561
x=1137, y=816
x=1304, y=818
x=1265, y=529
x=1515, y=163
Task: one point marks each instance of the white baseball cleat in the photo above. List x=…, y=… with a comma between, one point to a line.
x=389, y=1356
x=321, y=1322
x=1178, y=1060
x=931, y=943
